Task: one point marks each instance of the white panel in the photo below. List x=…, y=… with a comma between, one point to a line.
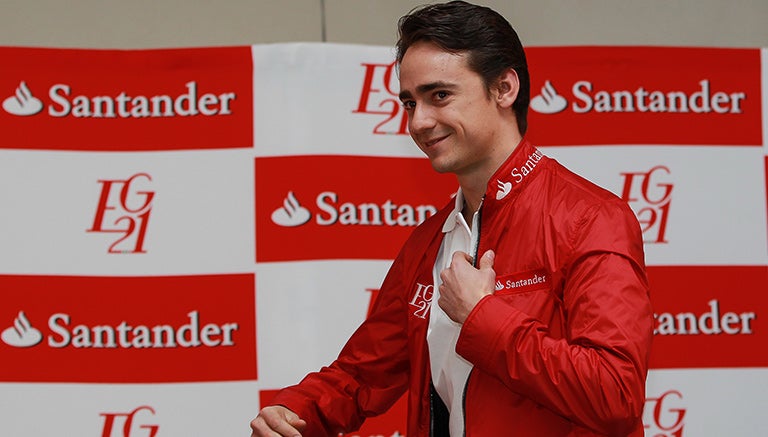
x=305, y=95
x=717, y=402
x=201, y=410
x=717, y=211
x=201, y=219
x=306, y=311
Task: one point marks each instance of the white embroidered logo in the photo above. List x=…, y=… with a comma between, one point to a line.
x=504, y=189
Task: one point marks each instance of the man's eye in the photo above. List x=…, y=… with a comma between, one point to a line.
x=441, y=95
x=409, y=104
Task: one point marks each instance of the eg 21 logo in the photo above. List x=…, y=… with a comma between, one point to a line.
x=112, y=422
x=664, y=416
x=378, y=96
x=650, y=194
x=124, y=208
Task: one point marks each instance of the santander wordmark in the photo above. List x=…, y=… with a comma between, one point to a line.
x=640, y=99
x=64, y=102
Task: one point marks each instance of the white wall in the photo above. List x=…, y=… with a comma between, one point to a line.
x=181, y=23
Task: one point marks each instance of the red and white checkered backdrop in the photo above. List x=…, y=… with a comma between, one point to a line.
x=184, y=231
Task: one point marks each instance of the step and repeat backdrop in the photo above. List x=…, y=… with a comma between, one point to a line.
x=185, y=231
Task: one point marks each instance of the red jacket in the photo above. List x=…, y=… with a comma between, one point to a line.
x=560, y=349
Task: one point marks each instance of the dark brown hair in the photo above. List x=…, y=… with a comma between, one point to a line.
x=491, y=44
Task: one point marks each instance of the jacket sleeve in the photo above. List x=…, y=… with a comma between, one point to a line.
x=369, y=375
x=595, y=374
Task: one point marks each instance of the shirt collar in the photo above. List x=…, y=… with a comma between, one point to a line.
x=455, y=215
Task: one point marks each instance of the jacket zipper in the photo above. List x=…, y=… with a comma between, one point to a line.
x=431, y=414
x=475, y=262
x=464, y=402
x=476, y=249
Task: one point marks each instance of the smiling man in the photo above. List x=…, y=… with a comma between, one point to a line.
x=539, y=321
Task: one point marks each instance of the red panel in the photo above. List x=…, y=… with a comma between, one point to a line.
x=709, y=316
x=343, y=207
x=645, y=95
x=133, y=100
x=128, y=329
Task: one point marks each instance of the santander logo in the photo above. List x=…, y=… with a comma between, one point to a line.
x=122, y=335
x=21, y=334
x=588, y=98
x=291, y=213
x=504, y=189
x=145, y=329
x=332, y=211
x=518, y=174
x=549, y=101
x=23, y=103
x=65, y=102
x=342, y=207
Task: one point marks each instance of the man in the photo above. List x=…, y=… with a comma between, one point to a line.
x=543, y=323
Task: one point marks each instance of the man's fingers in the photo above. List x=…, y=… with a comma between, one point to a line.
x=293, y=419
x=286, y=424
x=460, y=256
x=297, y=423
x=277, y=421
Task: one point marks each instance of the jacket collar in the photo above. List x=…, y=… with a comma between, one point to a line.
x=521, y=166
x=506, y=182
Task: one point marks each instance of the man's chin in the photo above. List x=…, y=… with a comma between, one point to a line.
x=441, y=167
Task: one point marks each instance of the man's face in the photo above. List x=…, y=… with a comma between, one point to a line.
x=450, y=114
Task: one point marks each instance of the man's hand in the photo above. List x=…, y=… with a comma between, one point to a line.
x=464, y=285
x=277, y=420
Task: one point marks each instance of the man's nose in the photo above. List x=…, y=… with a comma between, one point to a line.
x=421, y=119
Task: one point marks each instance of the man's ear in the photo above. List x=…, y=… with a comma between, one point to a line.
x=507, y=87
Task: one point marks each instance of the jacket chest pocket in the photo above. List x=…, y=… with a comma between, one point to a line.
x=521, y=283
x=535, y=293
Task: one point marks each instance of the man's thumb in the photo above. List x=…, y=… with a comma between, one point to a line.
x=295, y=421
x=486, y=262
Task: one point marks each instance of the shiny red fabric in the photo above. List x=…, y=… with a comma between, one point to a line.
x=563, y=355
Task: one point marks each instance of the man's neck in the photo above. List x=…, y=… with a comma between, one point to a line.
x=473, y=196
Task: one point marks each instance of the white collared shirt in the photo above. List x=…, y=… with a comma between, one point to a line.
x=449, y=370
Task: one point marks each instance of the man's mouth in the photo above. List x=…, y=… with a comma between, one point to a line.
x=433, y=141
